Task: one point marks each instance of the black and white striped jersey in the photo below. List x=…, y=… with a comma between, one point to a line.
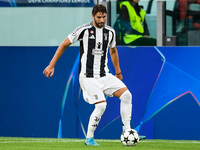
x=94, y=43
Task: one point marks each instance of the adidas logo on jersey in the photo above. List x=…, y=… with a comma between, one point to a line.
x=92, y=37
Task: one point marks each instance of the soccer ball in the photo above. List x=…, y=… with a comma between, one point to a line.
x=130, y=137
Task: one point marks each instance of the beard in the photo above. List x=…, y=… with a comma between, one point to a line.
x=99, y=25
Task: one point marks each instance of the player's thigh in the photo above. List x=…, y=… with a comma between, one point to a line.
x=112, y=85
x=92, y=93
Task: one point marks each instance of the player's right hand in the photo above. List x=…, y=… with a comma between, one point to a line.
x=119, y=76
x=48, y=71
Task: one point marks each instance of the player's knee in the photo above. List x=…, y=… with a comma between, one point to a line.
x=101, y=106
x=126, y=97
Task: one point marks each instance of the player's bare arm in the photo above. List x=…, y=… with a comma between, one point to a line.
x=49, y=70
x=115, y=61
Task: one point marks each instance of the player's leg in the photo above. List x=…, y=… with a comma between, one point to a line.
x=120, y=90
x=94, y=121
x=125, y=106
x=116, y=87
x=93, y=94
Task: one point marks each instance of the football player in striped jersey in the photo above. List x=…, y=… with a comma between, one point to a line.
x=96, y=38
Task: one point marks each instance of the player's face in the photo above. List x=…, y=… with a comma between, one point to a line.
x=99, y=19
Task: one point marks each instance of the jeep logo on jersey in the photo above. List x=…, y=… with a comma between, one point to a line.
x=97, y=52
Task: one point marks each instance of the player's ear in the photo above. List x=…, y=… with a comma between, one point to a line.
x=92, y=16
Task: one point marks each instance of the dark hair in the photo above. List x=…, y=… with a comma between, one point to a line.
x=99, y=8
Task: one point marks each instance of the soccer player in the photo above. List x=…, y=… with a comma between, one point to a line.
x=94, y=77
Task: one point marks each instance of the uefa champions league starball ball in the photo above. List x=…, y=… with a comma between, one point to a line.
x=130, y=137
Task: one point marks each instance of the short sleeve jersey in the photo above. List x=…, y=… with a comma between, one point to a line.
x=94, y=43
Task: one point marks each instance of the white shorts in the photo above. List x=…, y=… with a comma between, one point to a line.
x=94, y=90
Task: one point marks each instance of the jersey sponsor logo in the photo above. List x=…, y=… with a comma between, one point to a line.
x=97, y=52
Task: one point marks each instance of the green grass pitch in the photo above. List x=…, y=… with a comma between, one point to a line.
x=17, y=143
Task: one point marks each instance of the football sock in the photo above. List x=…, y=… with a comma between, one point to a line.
x=95, y=118
x=126, y=109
